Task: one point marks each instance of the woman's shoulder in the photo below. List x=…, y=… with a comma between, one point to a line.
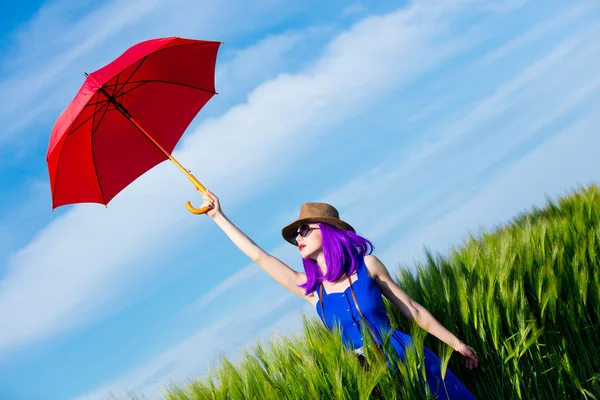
x=371, y=260
x=374, y=265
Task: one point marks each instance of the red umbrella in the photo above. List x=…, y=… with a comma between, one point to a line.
x=127, y=118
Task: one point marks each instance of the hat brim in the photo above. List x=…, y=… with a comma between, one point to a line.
x=290, y=231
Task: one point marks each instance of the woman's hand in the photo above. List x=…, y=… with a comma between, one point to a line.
x=212, y=202
x=469, y=357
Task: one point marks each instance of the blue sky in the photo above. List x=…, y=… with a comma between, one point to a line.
x=420, y=121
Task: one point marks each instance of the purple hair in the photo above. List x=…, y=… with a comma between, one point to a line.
x=343, y=250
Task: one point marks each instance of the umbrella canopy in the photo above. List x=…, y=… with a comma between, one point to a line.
x=128, y=117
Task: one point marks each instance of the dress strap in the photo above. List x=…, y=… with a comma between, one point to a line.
x=322, y=306
x=363, y=317
x=361, y=267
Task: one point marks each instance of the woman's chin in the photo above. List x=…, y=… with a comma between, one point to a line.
x=305, y=254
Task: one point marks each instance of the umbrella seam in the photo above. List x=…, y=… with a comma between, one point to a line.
x=165, y=82
x=163, y=48
x=94, y=129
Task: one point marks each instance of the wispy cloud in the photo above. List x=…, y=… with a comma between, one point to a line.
x=550, y=169
x=111, y=244
x=225, y=287
x=414, y=182
x=285, y=253
x=535, y=34
x=45, y=65
x=433, y=207
x=258, y=62
x=28, y=91
x=191, y=357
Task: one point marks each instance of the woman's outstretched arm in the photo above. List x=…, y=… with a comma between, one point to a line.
x=282, y=273
x=414, y=311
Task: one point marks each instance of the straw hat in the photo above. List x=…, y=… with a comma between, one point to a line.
x=315, y=212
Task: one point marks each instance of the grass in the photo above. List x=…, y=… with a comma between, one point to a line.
x=525, y=296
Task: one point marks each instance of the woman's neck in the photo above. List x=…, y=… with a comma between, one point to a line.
x=321, y=263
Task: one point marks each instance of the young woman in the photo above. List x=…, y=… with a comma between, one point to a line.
x=345, y=283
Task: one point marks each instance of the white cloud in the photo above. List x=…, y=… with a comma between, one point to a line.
x=85, y=259
x=411, y=188
x=249, y=273
x=190, y=357
x=30, y=85
x=240, y=325
x=495, y=105
x=355, y=8
x=258, y=60
x=555, y=167
x=536, y=33
x=240, y=277
x=49, y=55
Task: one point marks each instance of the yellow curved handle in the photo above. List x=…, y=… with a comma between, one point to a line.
x=202, y=189
x=194, y=210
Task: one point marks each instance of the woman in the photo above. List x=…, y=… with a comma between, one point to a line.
x=345, y=283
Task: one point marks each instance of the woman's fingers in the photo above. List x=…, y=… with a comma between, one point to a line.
x=208, y=201
x=473, y=359
x=469, y=357
x=210, y=195
x=469, y=363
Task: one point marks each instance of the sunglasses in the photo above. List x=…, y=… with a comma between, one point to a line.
x=304, y=230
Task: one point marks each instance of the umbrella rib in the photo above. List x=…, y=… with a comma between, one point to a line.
x=94, y=129
x=167, y=82
x=118, y=87
x=141, y=62
x=128, y=90
x=117, y=91
x=88, y=118
x=115, y=86
x=95, y=103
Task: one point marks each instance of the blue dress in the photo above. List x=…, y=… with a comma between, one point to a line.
x=340, y=310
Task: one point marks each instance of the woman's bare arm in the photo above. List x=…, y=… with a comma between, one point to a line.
x=282, y=273
x=414, y=311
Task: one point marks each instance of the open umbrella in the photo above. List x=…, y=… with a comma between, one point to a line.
x=128, y=117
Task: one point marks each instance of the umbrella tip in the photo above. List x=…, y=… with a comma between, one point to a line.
x=86, y=74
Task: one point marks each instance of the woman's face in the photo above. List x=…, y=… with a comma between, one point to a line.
x=309, y=239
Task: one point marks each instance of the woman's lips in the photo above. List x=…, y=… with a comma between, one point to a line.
x=301, y=247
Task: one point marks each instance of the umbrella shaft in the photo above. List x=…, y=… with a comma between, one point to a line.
x=124, y=111
x=191, y=177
